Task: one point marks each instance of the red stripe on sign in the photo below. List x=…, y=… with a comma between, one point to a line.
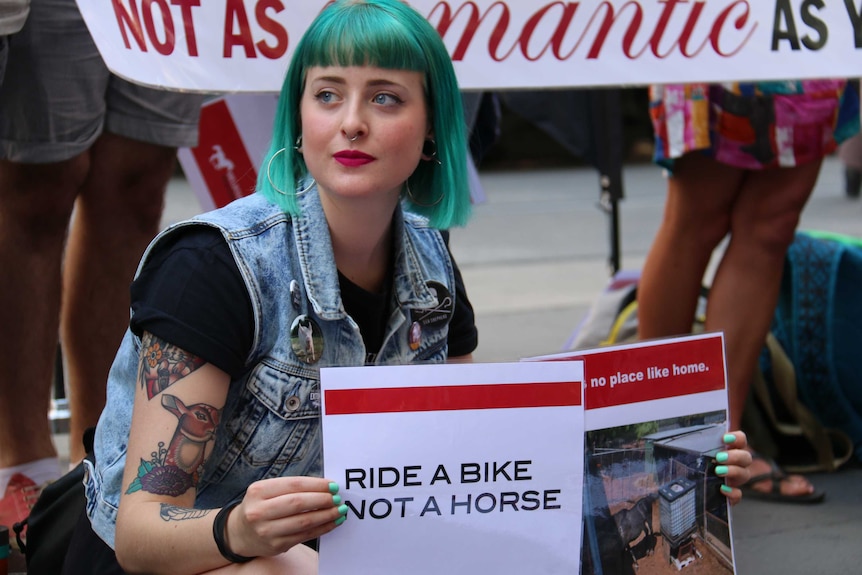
x=221, y=156
x=452, y=397
x=632, y=375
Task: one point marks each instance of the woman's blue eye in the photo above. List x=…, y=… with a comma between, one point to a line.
x=325, y=97
x=385, y=99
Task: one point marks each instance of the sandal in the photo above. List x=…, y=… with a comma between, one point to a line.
x=776, y=476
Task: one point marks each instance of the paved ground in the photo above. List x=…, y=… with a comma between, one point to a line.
x=536, y=255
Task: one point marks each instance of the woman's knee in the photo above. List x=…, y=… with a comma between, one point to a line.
x=770, y=233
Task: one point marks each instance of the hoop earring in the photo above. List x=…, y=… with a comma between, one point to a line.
x=418, y=203
x=276, y=188
x=297, y=145
x=431, y=155
x=269, y=174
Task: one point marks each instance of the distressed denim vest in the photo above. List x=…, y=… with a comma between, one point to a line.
x=270, y=424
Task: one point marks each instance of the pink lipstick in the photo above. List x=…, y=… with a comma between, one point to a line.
x=353, y=158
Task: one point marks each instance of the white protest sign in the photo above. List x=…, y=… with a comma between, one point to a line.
x=245, y=45
x=455, y=469
x=655, y=414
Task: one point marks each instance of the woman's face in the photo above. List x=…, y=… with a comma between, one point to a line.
x=362, y=129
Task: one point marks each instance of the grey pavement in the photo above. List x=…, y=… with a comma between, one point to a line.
x=535, y=256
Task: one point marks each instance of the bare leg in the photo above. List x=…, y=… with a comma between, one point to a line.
x=117, y=214
x=35, y=205
x=761, y=209
x=696, y=218
x=746, y=284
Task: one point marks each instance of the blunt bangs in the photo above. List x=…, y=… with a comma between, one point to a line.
x=362, y=35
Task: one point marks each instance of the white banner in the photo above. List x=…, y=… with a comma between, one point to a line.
x=245, y=45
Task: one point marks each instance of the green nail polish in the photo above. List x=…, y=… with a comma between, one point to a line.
x=721, y=470
x=341, y=520
x=333, y=488
x=729, y=438
x=342, y=509
x=336, y=499
x=722, y=456
x=726, y=489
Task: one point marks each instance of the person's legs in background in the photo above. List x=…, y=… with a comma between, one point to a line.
x=35, y=203
x=44, y=135
x=117, y=213
x=760, y=210
x=745, y=288
x=73, y=137
x=696, y=219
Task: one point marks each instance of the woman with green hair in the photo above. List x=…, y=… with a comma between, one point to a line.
x=208, y=453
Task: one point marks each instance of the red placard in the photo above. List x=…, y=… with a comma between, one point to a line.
x=618, y=376
x=221, y=156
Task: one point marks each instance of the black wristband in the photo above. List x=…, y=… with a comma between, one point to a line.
x=219, y=526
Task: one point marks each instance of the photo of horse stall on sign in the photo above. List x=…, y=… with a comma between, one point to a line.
x=652, y=501
x=654, y=416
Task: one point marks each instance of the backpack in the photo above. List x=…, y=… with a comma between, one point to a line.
x=818, y=324
x=53, y=519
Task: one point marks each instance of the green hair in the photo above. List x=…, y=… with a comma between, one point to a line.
x=385, y=34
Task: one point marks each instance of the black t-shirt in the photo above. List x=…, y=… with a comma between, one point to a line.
x=190, y=293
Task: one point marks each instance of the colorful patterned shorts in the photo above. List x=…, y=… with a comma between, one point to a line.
x=753, y=125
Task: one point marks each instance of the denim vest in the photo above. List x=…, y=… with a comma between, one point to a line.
x=270, y=424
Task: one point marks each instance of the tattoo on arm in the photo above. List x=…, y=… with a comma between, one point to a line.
x=174, y=469
x=163, y=364
x=174, y=513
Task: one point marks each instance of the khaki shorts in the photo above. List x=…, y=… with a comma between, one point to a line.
x=58, y=96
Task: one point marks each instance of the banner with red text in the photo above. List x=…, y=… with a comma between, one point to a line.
x=456, y=469
x=245, y=45
x=655, y=414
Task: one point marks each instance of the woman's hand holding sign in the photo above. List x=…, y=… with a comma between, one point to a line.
x=279, y=513
x=733, y=464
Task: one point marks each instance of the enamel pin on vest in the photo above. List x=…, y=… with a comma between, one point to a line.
x=306, y=339
x=438, y=315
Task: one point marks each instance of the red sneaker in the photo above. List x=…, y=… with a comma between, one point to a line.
x=21, y=494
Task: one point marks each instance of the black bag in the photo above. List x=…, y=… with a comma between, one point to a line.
x=52, y=521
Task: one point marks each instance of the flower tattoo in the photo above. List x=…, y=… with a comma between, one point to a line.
x=163, y=364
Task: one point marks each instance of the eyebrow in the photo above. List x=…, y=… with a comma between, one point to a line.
x=341, y=80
